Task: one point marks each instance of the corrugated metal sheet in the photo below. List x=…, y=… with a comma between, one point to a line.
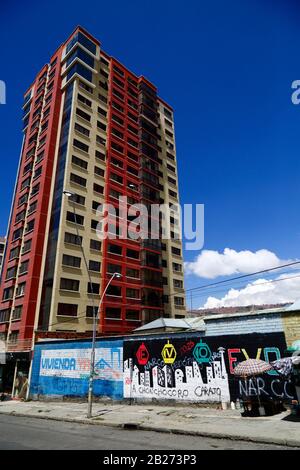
x=243, y=325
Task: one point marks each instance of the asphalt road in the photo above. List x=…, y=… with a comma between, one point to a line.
x=18, y=433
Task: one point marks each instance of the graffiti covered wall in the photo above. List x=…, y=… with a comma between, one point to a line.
x=200, y=369
x=63, y=369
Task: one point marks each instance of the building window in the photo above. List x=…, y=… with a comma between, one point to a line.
x=117, y=133
x=17, y=312
x=82, y=129
x=99, y=171
x=11, y=273
x=80, y=145
x=132, y=253
x=178, y=284
x=69, y=310
x=78, y=180
x=14, y=253
x=113, y=313
x=83, y=115
x=133, y=273
x=79, y=162
x=75, y=218
x=114, y=249
x=132, y=293
x=101, y=126
x=37, y=173
x=172, y=193
x=8, y=293
x=103, y=61
x=168, y=113
x=35, y=189
x=30, y=226
x=73, y=261
x=116, y=178
x=84, y=100
x=100, y=155
x=25, y=184
x=132, y=142
x=73, y=239
x=102, y=111
x=94, y=266
x=13, y=338
x=177, y=267
x=80, y=70
x=100, y=140
x=69, y=284
x=23, y=267
x=32, y=207
x=117, y=147
x=115, y=291
x=133, y=315
x=78, y=199
x=116, y=162
x=95, y=224
x=4, y=316
x=176, y=251
x=96, y=205
x=91, y=311
x=28, y=167
x=98, y=188
x=114, y=268
x=86, y=87
x=17, y=234
x=27, y=246
x=179, y=301
x=20, y=289
x=93, y=288
x=95, y=245
x=23, y=199
x=172, y=180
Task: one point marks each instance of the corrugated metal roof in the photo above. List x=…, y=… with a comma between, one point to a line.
x=244, y=314
x=294, y=306
x=164, y=323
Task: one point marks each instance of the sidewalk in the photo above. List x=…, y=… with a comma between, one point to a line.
x=193, y=420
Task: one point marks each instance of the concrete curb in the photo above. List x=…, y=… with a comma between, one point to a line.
x=143, y=427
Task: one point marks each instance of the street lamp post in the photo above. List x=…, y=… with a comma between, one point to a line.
x=92, y=369
x=69, y=194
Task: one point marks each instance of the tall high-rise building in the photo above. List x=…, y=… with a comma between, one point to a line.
x=98, y=131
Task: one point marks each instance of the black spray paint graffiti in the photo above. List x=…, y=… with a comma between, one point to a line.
x=201, y=369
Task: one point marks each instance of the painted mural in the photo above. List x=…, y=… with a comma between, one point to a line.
x=63, y=369
x=201, y=369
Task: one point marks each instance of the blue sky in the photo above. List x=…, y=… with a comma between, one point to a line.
x=226, y=67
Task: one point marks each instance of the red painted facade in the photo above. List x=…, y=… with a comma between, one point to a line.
x=36, y=166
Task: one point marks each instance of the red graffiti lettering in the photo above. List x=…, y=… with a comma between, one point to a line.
x=187, y=347
x=232, y=359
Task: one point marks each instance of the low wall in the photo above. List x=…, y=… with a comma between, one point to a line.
x=62, y=369
x=184, y=367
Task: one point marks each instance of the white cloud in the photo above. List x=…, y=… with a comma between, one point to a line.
x=260, y=292
x=210, y=264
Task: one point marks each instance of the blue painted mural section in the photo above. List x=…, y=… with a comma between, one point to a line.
x=62, y=369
